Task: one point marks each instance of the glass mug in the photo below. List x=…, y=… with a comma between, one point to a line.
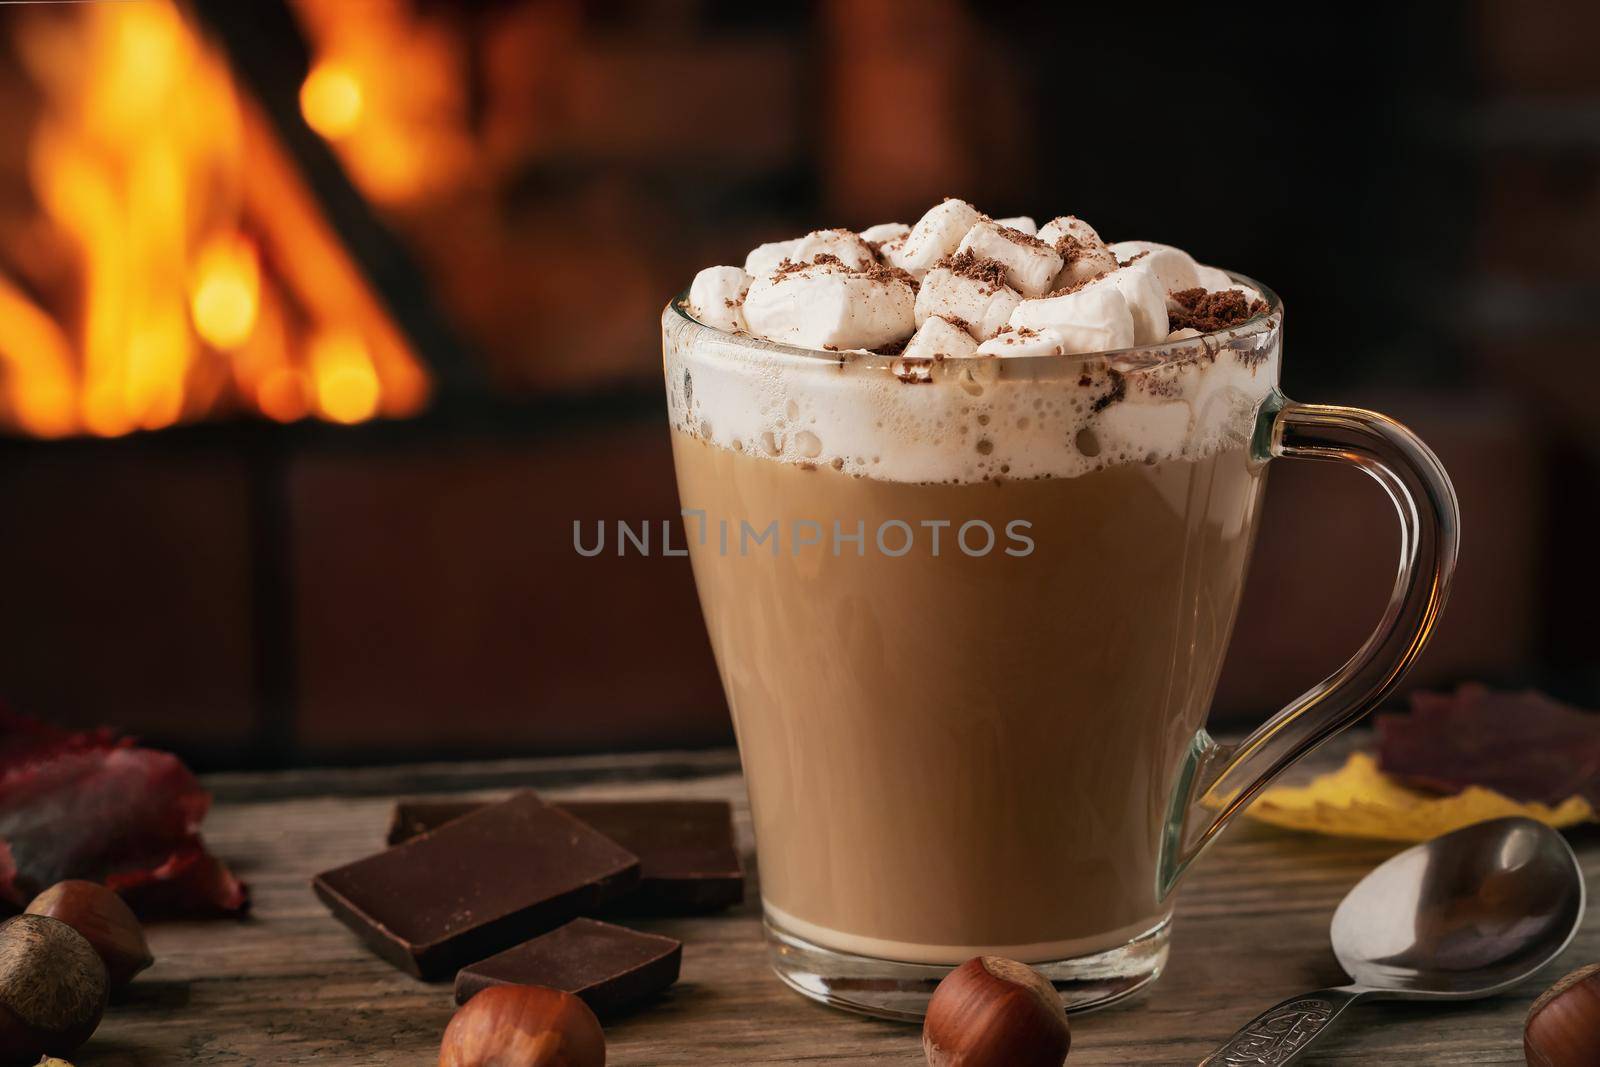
x=969, y=616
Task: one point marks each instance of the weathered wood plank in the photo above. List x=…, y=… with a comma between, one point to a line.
x=291, y=986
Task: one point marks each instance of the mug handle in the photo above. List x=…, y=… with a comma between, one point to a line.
x=1219, y=781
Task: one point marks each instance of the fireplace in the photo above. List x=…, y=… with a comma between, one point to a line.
x=267, y=499
x=322, y=321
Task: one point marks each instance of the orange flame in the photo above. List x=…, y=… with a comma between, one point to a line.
x=206, y=277
x=226, y=291
x=387, y=90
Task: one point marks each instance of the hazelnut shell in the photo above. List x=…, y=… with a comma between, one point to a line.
x=104, y=920
x=53, y=990
x=1563, y=1027
x=524, y=1026
x=995, y=1012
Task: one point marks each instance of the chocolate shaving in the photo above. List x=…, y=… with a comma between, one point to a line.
x=990, y=272
x=1207, y=312
x=1523, y=745
x=1067, y=290
x=1119, y=389
x=879, y=272
x=1070, y=249
x=1017, y=237
x=876, y=272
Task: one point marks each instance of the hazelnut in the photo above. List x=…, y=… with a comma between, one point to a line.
x=523, y=1026
x=995, y=1012
x=52, y=990
x=107, y=923
x=1563, y=1027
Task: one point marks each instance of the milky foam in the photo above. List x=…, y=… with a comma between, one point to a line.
x=967, y=420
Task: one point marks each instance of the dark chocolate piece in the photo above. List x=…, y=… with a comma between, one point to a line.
x=610, y=967
x=688, y=861
x=477, y=885
x=413, y=817
x=687, y=855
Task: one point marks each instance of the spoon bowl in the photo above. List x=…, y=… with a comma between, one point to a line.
x=1469, y=914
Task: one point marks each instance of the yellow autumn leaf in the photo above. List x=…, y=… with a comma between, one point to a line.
x=1359, y=800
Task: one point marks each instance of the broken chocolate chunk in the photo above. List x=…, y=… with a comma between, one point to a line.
x=1523, y=745
x=477, y=885
x=689, y=861
x=413, y=817
x=609, y=967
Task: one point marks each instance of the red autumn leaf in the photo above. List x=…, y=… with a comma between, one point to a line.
x=1523, y=745
x=92, y=805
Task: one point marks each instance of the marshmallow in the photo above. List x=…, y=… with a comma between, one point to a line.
x=1031, y=265
x=850, y=249
x=715, y=296
x=1020, y=222
x=935, y=236
x=764, y=259
x=1188, y=333
x=1082, y=252
x=1069, y=226
x=1145, y=296
x=1092, y=319
x=884, y=232
x=939, y=336
x=825, y=306
x=1211, y=279
x=1027, y=342
x=1174, y=268
x=982, y=306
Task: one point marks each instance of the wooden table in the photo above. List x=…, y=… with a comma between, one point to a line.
x=292, y=986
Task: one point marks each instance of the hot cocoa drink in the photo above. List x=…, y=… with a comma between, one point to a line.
x=969, y=506
x=959, y=754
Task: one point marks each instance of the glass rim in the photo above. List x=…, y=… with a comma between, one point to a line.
x=1147, y=355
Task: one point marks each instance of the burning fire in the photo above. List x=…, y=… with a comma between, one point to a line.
x=193, y=272
x=388, y=92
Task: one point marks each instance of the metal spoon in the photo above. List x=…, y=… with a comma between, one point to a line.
x=1469, y=914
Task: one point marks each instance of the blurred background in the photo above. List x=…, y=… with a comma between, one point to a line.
x=321, y=321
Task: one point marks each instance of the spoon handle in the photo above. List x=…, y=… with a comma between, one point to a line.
x=1279, y=1034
